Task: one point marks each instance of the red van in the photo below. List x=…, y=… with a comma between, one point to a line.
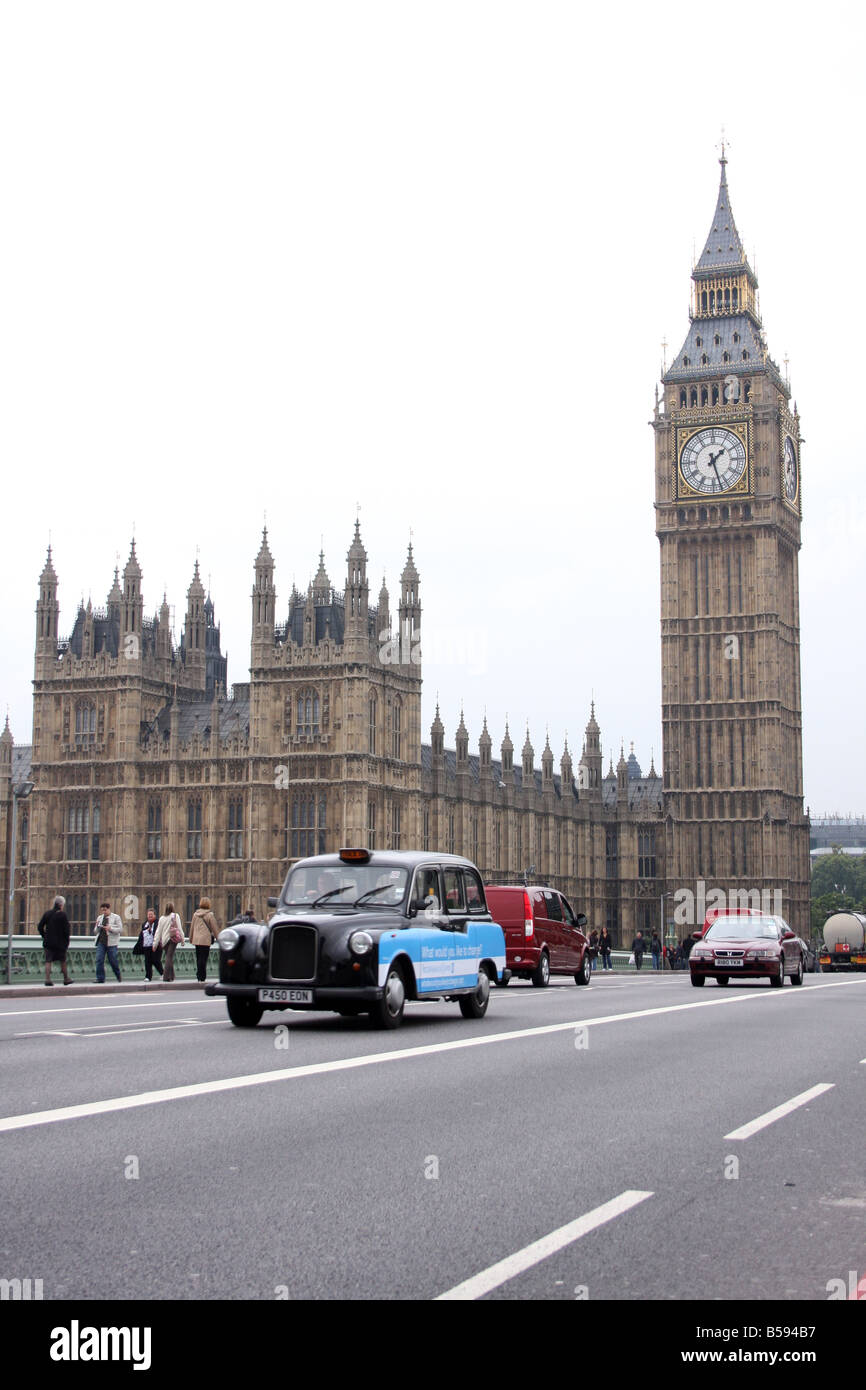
x=543, y=936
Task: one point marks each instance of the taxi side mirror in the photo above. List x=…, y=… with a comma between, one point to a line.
x=273, y=902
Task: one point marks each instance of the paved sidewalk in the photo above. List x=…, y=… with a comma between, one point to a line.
x=36, y=989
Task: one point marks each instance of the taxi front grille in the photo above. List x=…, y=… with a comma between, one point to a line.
x=293, y=953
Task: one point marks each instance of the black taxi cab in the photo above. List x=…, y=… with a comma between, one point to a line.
x=363, y=931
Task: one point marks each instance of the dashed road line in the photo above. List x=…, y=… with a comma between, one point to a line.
x=779, y=1111
x=521, y=1260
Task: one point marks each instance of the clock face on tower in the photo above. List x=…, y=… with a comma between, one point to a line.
x=790, y=472
x=713, y=460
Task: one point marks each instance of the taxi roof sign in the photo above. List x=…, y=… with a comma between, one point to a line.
x=355, y=856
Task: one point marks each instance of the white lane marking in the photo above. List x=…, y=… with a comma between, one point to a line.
x=779, y=1111
x=96, y=1008
x=122, y=1032
x=539, y=1250
x=233, y=1083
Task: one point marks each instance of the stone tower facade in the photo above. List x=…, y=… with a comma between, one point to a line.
x=728, y=508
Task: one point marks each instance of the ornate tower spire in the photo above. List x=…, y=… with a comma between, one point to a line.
x=264, y=601
x=47, y=619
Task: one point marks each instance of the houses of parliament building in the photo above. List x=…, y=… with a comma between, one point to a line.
x=152, y=782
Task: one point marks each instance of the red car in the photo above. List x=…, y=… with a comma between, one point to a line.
x=543, y=936
x=748, y=945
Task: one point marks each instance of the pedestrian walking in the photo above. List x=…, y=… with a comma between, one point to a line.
x=605, y=945
x=203, y=931
x=638, y=946
x=54, y=930
x=108, y=930
x=593, y=948
x=656, y=951
x=151, y=951
x=169, y=934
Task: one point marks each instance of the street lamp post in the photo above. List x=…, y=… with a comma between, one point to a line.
x=20, y=793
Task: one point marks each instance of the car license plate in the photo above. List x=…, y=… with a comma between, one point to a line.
x=729, y=963
x=285, y=996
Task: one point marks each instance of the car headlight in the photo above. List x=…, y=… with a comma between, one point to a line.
x=766, y=955
x=228, y=939
x=360, y=943
x=701, y=953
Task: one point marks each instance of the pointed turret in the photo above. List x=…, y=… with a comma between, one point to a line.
x=528, y=759
x=384, y=613
x=264, y=601
x=410, y=610
x=357, y=587
x=193, y=644
x=437, y=735
x=590, y=766
x=506, y=753
x=47, y=619
x=622, y=776
x=566, y=770
x=321, y=583
x=547, y=763
x=485, y=744
x=132, y=609
x=462, y=745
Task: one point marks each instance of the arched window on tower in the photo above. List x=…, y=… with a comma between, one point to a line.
x=373, y=712
x=705, y=400
x=694, y=400
x=683, y=399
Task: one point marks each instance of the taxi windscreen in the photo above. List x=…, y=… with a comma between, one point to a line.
x=350, y=885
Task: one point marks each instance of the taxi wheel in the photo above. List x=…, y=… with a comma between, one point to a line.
x=797, y=979
x=698, y=981
x=776, y=981
x=244, y=1013
x=584, y=974
x=387, y=1012
x=541, y=976
x=475, y=1005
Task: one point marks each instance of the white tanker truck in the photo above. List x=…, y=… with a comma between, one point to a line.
x=844, y=942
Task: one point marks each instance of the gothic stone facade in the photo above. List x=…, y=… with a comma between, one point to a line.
x=152, y=785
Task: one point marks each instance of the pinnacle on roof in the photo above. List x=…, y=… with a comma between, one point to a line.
x=506, y=742
x=723, y=249
x=196, y=588
x=114, y=595
x=409, y=570
x=321, y=583
x=527, y=746
x=48, y=572
x=356, y=549
x=461, y=727
x=133, y=568
x=264, y=556
x=592, y=726
x=437, y=727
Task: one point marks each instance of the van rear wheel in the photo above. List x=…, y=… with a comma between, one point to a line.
x=541, y=975
x=584, y=974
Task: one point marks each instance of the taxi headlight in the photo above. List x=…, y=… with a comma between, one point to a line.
x=360, y=943
x=228, y=939
x=701, y=953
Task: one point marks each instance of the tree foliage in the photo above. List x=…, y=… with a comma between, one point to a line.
x=838, y=885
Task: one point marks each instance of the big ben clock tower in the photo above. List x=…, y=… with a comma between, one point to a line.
x=728, y=508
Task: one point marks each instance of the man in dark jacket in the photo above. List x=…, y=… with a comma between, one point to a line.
x=54, y=930
x=638, y=946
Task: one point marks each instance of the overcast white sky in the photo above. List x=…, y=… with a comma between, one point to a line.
x=285, y=258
